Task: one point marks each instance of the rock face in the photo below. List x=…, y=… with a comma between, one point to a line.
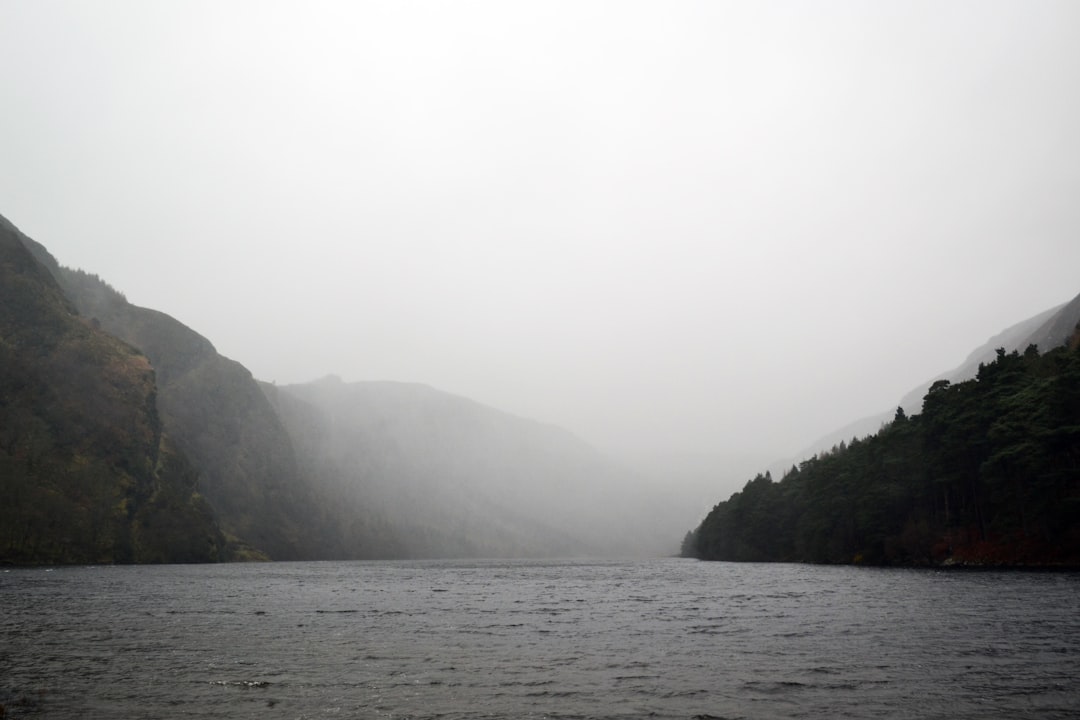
x=89, y=474
x=217, y=416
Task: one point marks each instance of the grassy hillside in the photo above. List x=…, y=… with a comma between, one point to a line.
x=216, y=414
x=88, y=475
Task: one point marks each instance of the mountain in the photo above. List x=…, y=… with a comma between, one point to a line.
x=88, y=472
x=218, y=417
x=361, y=470
x=987, y=474
x=423, y=473
x=1047, y=330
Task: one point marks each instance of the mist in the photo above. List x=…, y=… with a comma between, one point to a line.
x=699, y=236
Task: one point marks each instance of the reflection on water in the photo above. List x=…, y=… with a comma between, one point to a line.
x=662, y=638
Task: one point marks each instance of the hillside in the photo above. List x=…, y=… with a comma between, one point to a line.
x=424, y=473
x=987, y=474
x=366, y=470
x=1047, y=330
x=126, y=437
x=216, y=414
x=88, y=473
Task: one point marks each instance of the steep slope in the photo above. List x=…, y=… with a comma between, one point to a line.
x=1048, y=330
x=370, y=470
x=218, y=417
x=1059, y=328
x=87, y=473
x=424, y=473
x=987, y=474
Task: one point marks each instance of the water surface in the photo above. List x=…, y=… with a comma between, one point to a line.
x=527, y=639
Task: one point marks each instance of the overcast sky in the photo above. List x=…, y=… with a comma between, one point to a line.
x=667, y=226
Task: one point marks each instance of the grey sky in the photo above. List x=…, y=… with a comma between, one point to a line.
x=667, y=226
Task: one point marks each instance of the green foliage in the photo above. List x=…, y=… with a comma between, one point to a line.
x=989, y=473
x=211, y=408
x=219, y=419
x=85, y=473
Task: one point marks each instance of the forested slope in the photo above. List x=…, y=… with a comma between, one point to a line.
x=215, y=413
x=86, y=472
x=1048, y=329
x=987, y=474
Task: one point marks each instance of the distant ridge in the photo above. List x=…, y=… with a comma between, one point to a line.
x=335, y=470
x=423, y=473
x=1047, y=330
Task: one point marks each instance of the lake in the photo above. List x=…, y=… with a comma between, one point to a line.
x=663, y=638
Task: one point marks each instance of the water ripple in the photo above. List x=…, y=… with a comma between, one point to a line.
x=475, y=640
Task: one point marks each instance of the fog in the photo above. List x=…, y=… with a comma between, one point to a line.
x=699, y=235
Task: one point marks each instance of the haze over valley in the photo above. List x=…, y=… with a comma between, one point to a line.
x=584, y=267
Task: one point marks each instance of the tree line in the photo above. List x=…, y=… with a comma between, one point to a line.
x=987, y=474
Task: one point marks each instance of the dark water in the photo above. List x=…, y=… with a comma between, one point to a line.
x=663, y=638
